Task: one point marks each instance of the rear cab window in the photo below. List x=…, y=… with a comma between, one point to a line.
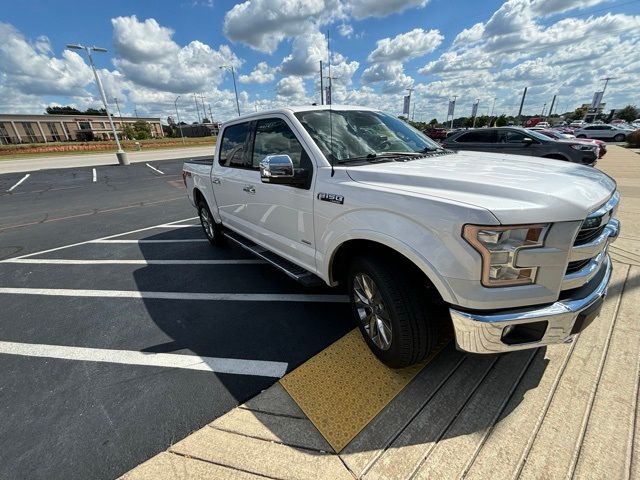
x=233, y=146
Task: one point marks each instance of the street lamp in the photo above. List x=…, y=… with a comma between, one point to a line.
x=122, y=156
x=233, y=74
x=175, y=103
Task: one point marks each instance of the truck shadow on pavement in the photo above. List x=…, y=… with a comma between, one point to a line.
x=474, y=391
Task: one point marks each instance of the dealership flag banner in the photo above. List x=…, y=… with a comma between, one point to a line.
x=327, y=95
x=452, y=106
x=597, y=99
x=474, y=109
x=405, y=108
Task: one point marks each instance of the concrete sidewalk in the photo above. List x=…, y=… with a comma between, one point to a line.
x=95, y=159
x=565, y=411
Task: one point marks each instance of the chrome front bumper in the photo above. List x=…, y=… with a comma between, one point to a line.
x=483, y=333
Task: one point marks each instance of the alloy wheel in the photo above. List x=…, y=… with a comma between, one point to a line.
x=372, y=311
x=207, y=223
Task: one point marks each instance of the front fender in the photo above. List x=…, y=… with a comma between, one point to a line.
x=432, y=250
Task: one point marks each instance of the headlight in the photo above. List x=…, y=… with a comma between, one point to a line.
x=584, y=147
x=499, y=245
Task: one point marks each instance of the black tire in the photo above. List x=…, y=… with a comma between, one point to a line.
x=212, y=230
x=405, y=304
x=619, y=137
x=582, y=135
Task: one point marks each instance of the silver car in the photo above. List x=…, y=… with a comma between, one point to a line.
x=603, y=132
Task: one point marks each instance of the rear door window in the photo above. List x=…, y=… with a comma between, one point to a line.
x=477, y=136
x=233, y=146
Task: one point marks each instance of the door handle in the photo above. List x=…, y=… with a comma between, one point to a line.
x=249, y=189
x=215, y=180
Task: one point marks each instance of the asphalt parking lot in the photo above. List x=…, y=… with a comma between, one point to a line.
x=115, y=348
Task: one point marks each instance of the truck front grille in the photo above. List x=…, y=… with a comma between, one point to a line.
x=577, y=265
x=585, y=235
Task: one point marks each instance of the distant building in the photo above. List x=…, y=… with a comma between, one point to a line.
x=65, y=128
x=199, y=129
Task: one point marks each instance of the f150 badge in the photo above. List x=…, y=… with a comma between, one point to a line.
x=331, y=197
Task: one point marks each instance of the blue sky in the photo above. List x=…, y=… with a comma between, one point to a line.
x=161, y=49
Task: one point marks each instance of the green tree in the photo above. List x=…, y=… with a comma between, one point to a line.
x=482, y=120
x=128, y=133
x=578, y=114
x=628, y=113
x=141, y=130
x=434, y=121
x=206, y=120
x=501, y=121
x=94, y=111
x=57, y=110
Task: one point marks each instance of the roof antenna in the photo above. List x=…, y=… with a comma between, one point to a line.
x=330, y=101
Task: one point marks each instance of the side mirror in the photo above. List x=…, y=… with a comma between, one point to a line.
x=527, y=140
x=277, y=169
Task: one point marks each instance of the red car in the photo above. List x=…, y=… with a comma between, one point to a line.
x=563, y=136
x=436, y=133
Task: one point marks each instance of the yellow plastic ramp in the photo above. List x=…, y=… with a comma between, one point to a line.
x=345, y=386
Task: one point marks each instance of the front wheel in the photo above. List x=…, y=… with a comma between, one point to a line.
x=391, y=311
x=212, y=230
x=619, y=137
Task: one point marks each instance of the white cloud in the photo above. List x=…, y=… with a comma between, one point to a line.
x=306, y=52
x=263, y=24
x=345, y=30
x=405, y=46
x=148, y=56
x=552, y=7
x=262, y=73
x=291, y=88
x=391, y=75
x=381, y=8
x=469, y=35
x=31, y=69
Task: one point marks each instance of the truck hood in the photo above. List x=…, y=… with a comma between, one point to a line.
x=515, y=188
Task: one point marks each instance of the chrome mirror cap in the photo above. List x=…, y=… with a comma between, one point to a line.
x=276, y=166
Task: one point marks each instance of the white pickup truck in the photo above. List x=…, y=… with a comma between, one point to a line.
x=510, y=251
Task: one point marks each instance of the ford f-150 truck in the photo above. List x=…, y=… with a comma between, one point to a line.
x=509, y=251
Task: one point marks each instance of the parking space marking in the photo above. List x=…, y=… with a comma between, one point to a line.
x=174, y=240
x=103, y=238
x=19, y=182
x=154, y=168
x=58, y=261
x=225, y=297
x=193, y=225
x=261, y=368
x=95, y=175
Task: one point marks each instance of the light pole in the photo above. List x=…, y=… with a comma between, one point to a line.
x=233, y=74
x=475, y=113
x=175, y=103
x=118, y=107
x=120, y=154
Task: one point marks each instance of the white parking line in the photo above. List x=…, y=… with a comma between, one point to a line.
x=177, y=240
x=230, y=297
x=19, y=182
x=179, y=226
x=56, y=261
x=154, y=168
x=234, y=366
x=103, y=238
x=95, y=175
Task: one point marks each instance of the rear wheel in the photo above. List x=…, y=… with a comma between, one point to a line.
x=212, y=230
x=392, y=311
x=619, y=137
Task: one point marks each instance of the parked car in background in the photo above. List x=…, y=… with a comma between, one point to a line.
x=542, y=125
x=602, y=146
x=636, y=123
x=436, y=133
x=606, y=132
x=519, y=141
x=577, y=124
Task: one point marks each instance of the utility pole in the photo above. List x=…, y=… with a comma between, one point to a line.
x=120, y=154
x=492, y=109
x=235, y=89
x=544, y=107
x=524, y=94
x=453, y=110
x=118, y=107
x=195, y=99
x=321, y=86
x=210, y=114
x=553, y=102
x=204, y=110
x=175, y=103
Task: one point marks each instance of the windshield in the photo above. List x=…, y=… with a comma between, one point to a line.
x=360, y=134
